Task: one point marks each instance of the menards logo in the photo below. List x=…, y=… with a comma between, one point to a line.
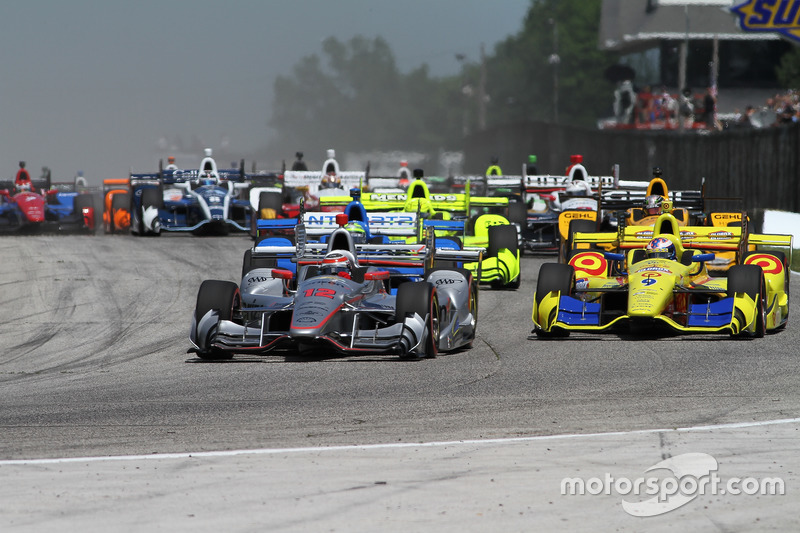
x=770, y=16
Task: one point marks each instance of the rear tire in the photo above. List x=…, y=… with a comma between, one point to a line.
x=504, y=236
x=151, y=197
x=119, y=202
x=249, y=262
x=224, y=297
x=749, y=279
x=420, y=298
x=270, y=200
x=578, y=226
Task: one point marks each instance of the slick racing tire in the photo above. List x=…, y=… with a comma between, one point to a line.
x=504, y=236
x=270, y=200
x=119, y=202
x=151, y=197
x=420, y=297
x=249, y=262
x=781, y=258
x=224, y=297
x=554, y=277
x=749, y=279
x=578, y=226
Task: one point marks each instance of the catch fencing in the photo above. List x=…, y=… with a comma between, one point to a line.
x=760, y=166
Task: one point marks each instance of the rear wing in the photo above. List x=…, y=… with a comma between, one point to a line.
x=313, y=178
x=392, y=254
x=400, y=224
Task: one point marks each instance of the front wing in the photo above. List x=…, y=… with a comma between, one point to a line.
x=561, y=313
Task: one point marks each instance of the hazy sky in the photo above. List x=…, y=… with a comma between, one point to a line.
x=93, y=85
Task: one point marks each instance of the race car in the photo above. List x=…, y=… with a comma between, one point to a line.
x=340, y=301
x=202, y=201
x=485, y=225
x=663, y=283
x=305, y=187
x=44, y=206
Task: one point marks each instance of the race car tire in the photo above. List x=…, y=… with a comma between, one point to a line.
x=504, y=236
x=224, y=297
x=578, y=226
x=473, y=287
x=270, y=200
x=781, y=257
x=249, y=262
x=554, y=277
x=81, y=201
x=120, y=201
x=151, y=197
x=420, y=297
x=518, y=213
x=749, y=279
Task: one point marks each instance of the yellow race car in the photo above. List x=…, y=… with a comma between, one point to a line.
x=661, y=282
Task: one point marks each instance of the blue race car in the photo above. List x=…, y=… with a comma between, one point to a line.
x=202, y=201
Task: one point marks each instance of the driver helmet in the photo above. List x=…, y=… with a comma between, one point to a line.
x=24, y=186
x=357, y=232
x=652, y=204
x=208, y=179
x=576, y=188
x=338, y=263
x=660, y=247
x=171, y=160
x=331, y=181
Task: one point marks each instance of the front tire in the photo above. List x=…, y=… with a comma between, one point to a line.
x=749, y=279
x=222, y=296
x=554, y=277
x=420, y=298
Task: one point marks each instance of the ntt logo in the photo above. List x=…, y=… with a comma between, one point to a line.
x=690, y=475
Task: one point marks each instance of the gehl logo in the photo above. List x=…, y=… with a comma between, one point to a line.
x=779, y=16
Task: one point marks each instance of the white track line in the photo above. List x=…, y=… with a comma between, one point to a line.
x=476, y=442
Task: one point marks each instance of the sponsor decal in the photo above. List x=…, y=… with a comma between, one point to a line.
x=444, y=197
x=392, y=220
x=592, y=263
x=768, y=263
x=579, y=214
x=655, y=269
x=448, y=281
x=649, y=278
x=727, y=216
x=769, y=16
x=582, y=283
x=720, y=235
x=305, y=320
x=388, y=197
x=258, y=279
x=643, y=234
x=688, y=235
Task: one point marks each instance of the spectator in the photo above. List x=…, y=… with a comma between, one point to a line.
x=624, y=101
x=299, y=164
x=709, y=109
x=686, y=107
x=645, y=105
x=746, y=120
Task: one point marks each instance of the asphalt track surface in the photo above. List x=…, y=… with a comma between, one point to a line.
x=95, y=378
